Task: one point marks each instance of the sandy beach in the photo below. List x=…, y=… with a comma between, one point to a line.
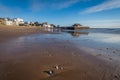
x=16, y=31
x=30, y=54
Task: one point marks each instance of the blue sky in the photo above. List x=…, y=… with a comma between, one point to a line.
x=94, y=13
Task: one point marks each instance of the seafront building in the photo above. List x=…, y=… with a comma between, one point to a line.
x=8, y=22
x=20, y=22
x=15, y=21
x=46, y=25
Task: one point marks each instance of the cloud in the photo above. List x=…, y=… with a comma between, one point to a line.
x=64, y=4
x=107, y=5
x=37, y=5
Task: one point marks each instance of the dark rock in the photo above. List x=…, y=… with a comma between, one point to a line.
x=110, y=58
x=113, y=51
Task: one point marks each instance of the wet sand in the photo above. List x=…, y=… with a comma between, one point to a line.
x=7, y=32
x=25, y=59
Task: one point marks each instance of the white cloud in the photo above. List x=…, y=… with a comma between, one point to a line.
x=107, y=5
x=64, y=4
x=37, y=5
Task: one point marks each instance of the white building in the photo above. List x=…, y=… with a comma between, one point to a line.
x=15, y=21
x=26, y=23
x=18, y=21
x=8, y=22
x=47, y=25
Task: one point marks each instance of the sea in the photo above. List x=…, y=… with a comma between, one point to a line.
x=103, y=40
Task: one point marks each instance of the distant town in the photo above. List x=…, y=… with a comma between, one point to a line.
x=21, y=22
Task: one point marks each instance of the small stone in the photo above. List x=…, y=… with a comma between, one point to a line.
x=49, y=55
x=115, y=76
x=57, y=67
x=113, y=51
x=107, y=48
x=50, y=72
x=61, y=68
x=110, y=58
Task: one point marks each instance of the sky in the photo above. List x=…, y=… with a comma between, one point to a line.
x=93, y=13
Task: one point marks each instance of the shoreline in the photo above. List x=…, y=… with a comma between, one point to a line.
x=8, y=32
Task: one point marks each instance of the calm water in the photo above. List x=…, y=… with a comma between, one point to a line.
x=93, y=38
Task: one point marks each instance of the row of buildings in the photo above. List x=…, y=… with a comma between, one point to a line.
x=8, y=21
x=20, y=22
